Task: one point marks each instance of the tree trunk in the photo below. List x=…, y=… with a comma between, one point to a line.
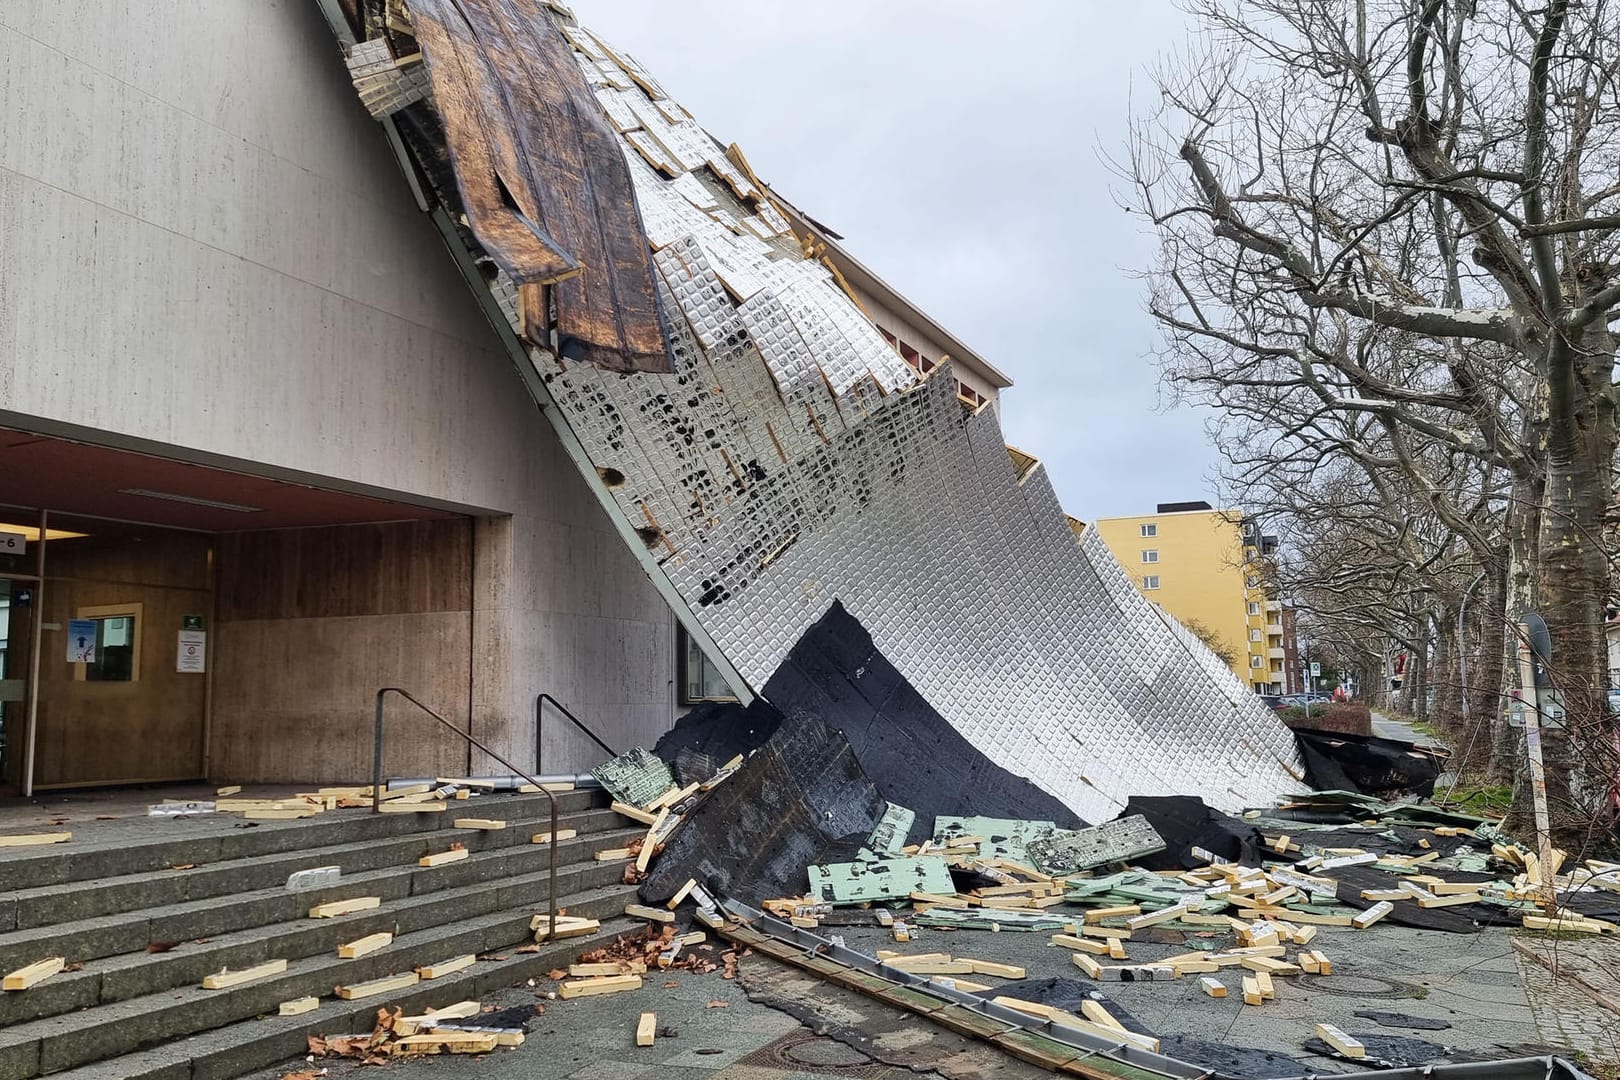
x=1572, y=586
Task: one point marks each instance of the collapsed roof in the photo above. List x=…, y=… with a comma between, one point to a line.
x=759, y=444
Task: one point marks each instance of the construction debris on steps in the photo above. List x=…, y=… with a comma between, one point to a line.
x=427, y=796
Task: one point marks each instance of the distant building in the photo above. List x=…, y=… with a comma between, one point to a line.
x=1211, y=569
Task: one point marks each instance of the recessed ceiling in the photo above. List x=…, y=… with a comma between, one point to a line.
x=77, y=478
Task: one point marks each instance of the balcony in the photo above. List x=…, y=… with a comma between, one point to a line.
x=1274, y=606
x=1276, y=653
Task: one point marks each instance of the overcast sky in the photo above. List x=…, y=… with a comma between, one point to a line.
x=956, y=147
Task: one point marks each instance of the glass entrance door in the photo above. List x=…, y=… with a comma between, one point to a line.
x=17, y=613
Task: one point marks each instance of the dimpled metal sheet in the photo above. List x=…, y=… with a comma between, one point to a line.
x=792, y=459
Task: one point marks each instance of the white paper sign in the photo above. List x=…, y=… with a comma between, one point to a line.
x=193, y=651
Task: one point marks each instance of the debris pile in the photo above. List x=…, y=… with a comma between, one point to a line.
x=462, y=1028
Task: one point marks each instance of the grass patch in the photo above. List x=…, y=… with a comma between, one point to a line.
x=1481, y=800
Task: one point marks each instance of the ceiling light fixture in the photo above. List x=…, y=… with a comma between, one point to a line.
x=213, y=504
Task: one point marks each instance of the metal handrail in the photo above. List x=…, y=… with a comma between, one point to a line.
x=539, y=728
x=377, y=785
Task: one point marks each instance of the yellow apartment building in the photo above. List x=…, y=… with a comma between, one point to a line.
x=1208, y=567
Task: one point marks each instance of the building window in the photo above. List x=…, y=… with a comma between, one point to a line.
x=1151, y=581
x=1254, y=608
x=1257, y=661
x=1150, y=556
x=1254, y=634
x=111, y=649
x=1150, y=530
x=700, y=678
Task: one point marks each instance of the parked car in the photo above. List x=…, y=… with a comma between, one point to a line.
x=1273, y=701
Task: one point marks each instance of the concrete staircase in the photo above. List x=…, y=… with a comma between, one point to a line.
x=129, y=1012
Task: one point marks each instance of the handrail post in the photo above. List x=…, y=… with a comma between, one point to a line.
x=539, y=732
x=377, y=754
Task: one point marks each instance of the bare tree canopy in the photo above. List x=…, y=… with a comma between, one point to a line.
x=1388, y=234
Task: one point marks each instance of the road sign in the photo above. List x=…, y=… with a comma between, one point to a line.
x=1316, y=670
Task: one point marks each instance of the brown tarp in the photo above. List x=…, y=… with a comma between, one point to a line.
x=542, y=179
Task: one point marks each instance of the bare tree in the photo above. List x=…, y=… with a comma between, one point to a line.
x=1395, y=222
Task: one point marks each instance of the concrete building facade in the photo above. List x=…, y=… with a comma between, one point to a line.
x=243, y=393
x=1210, y=569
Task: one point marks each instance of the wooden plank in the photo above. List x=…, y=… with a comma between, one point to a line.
x=681, y=894
x=234, y=789
x=365, y=946
x=298, y=1006
x=641, y=911
x=31, y=974
x=1251, y=991
x=411, y=808
x=562, y=834
x=1341, y=1042
x=1000, y=971
x=1080, y=944
x=650, y=842
x=1119, y=911
x=1212, y=986
x=1449, y=901
x=1372, y=915
x=634, y=813
x=607, y=967
x=447, y=967
x=451, y=1042
x=646, y=1029
x=31, y=839
x=334, y=908
x=1087, y=965
x=385, y=985
x=453, y=855
x=478, y=823
x=610, y=984
x=612, y=854
x=225, y=979
x=566, y=927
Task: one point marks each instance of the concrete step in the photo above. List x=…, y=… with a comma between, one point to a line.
x=133, y=974
x=250, y=1045
x=50, y=905
x=133, y=846
x=502, y=860
x=161, y=1024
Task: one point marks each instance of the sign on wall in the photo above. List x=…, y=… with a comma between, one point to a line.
x=192, y=655
x=13, y=543
x=81, y=643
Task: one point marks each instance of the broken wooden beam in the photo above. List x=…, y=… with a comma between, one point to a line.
x=225, y=978
x=608, y=984
x=1341, y=1042
x=32, y=974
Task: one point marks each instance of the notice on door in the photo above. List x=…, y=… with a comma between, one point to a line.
x=193, y=651
x=81, y=643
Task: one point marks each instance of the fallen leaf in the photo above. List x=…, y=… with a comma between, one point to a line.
x=161, y=946
x=556, y=974
x=184, y=866
x=718, y=1005
x=671, y=984
x=527, y=949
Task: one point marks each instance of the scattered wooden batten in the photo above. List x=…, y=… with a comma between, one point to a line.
x=478, y=823
x=641, y=911
x=1080, y=944
x=453, y=855
x=35, y=973
x=567, y=926
x=30, y=839
x=1212, y=986
x=612, y=854
x=447, y=1042
x=685, y=890
x=634, y=813
x=298, y=1006
x=365, y=946
x=646, y=1029
x=562, y=834
x=1000, y=971
x=1449, y=901
x=224, y=980
x=1341, y=1042
x=1251, y=991
x=411, y=808
x=334, y=908
x=1371, y=915
x=233, y=789
x=447, y=967
x=610, y=984
x=385, y=985
x=607, y=967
